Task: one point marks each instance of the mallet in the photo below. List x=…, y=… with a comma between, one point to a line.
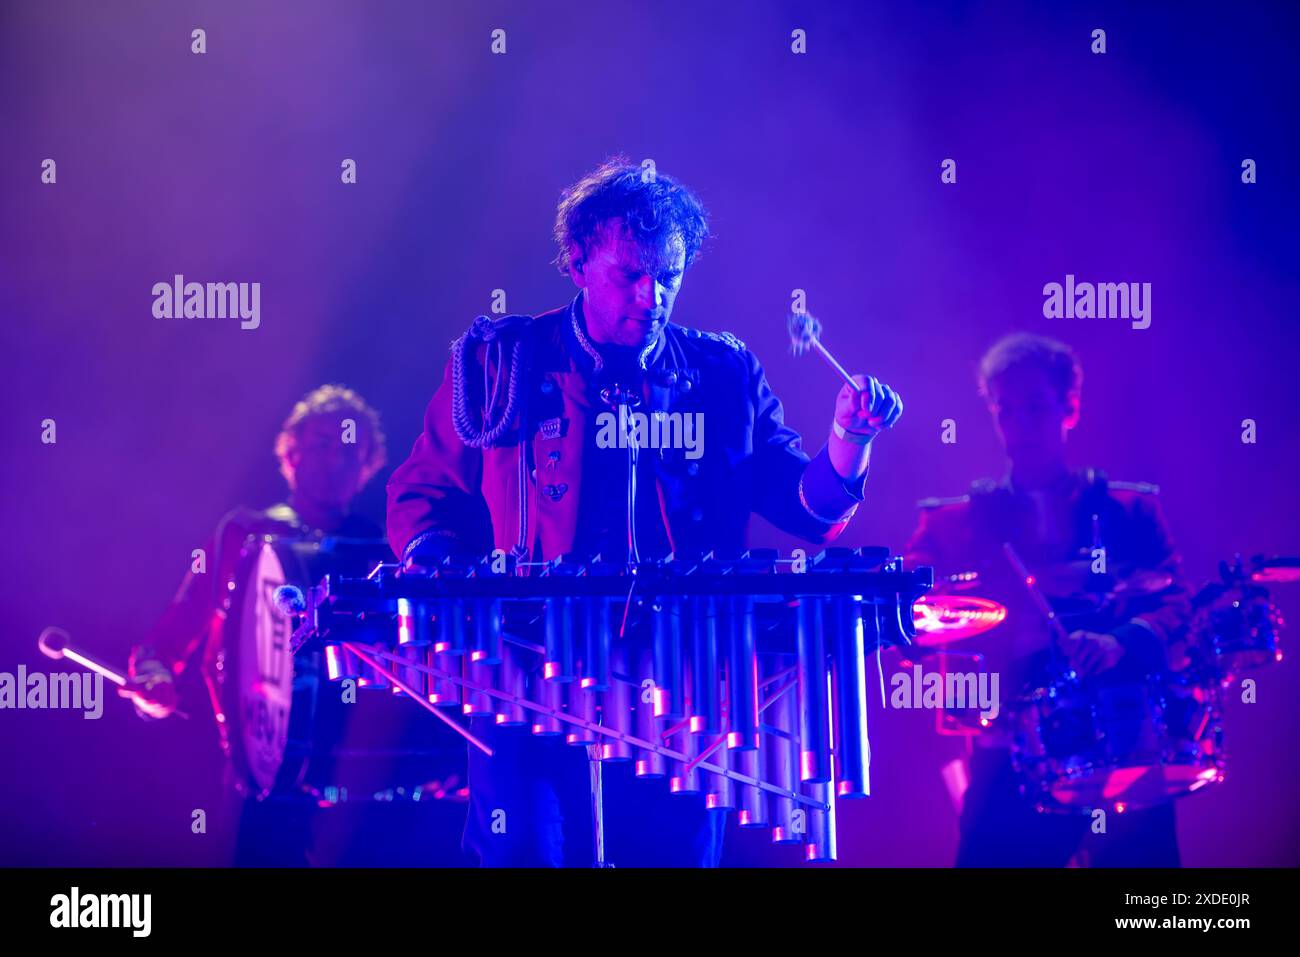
x=805, y=334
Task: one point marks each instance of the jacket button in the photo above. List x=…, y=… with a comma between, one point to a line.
x=548, y=386
x=693, y=468
x=697, y=514
x=555, y=492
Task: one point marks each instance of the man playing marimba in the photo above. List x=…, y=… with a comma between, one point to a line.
x=509, y=459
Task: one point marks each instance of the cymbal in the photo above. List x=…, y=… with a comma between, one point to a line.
x=1142, y=581
x=1072, y=578
x=944, y=619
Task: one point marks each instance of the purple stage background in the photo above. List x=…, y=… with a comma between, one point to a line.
x=821, y=172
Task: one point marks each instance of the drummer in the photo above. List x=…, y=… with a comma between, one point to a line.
x=325, y=471
x=1084, y=537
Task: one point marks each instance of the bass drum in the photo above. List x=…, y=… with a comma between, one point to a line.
x=265, y=710
x=1082, y=745
x=290, y=736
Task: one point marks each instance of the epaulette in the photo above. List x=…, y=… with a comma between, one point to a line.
x=504, y=343
x=1144, y=488
x=941, y=502
x=489, y=328
x=723, y=337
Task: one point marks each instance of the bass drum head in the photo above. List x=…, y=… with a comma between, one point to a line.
x=258, y=684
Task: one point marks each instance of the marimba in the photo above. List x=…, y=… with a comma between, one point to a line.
x=743, y=679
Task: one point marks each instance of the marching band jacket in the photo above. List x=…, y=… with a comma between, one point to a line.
x=499, y=462
x=966, y=534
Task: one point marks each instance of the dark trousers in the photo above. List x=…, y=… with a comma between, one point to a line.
x=530, y=806
x=1001, y=828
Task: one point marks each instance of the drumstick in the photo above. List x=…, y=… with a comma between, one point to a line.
x=805, y=333
x=57, y=647
x=1035, y=595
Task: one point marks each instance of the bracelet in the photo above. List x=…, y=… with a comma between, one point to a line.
x=854, y=438
x=414, y=544
x=803, y=500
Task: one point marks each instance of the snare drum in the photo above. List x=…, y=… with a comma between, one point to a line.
x=1081, y=745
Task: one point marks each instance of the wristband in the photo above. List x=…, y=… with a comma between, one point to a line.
x=854, y=438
